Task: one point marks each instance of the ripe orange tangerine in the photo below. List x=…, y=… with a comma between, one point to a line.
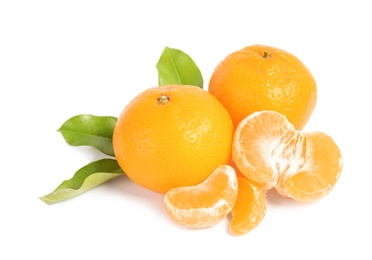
x=205, y=204
x=172, y=136
x=260, y=77
x=268, y=150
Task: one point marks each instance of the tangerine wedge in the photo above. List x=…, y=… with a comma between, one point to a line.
x=269, y=151
x=206, y=203
x=249, y=209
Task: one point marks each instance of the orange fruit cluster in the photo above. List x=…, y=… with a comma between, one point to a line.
x=217, y=152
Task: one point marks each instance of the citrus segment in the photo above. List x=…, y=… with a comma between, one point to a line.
x=269, y=151
x=261, y=77
x=172, y=136
x=249, y=209
x=320, y=172
x=204, y=204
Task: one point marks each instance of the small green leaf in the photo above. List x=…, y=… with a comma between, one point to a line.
x=90, y=130
x=176, y=67
x=86, y=178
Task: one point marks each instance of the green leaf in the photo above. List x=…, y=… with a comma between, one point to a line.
x=86, y=178
x=176, y=67
x=90, y=130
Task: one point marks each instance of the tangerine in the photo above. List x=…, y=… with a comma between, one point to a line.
x=261, y=77
x=172, y=136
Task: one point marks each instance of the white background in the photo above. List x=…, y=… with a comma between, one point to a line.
x=63, y=58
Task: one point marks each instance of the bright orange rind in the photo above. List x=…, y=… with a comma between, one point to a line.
x=172, y=136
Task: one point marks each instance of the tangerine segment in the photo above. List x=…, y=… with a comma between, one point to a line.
x=206, y=203
x=318, y=176
x=255, y=139
x=249, y=209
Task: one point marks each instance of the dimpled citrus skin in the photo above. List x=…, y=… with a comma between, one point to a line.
x=172, y=136
x=261, y=77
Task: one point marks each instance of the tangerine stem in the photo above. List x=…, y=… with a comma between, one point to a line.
x=266, y=54
x=163, y=99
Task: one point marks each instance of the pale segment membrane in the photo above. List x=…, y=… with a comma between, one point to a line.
x=289, y=157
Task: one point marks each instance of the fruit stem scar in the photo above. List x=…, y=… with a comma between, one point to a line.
x=266, y=54
x=163, y=99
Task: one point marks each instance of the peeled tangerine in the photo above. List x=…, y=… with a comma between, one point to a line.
x=204, y=204
x=270, y=152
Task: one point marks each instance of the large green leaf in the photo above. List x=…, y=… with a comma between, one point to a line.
x=176, y=67
x=90, y=130
x=86, y=178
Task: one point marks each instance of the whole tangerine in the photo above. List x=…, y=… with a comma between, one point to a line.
x=260, y=77
x=172, y=136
